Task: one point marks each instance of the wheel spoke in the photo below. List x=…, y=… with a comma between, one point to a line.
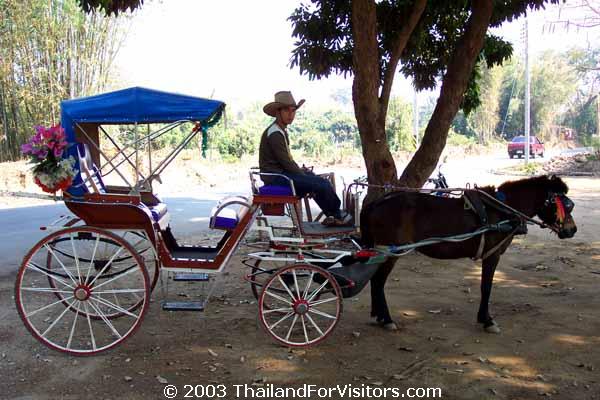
x=315, y=325
x=316, y=303
x=75, y=257
x=113, y=306
x=46, y=290
x=304, y=328
x=114, y=278
x=296, y=282
x=276, y=296
x=310, y=279
x=38, y=269
x=61, y=264
x=87, y=275
x=286, y=316
x=287, y=337
x=73, y=327
x=48, y=306
x=318, y=290
x=321, y=313
x=118, y=291
x=106, y=321
x=106, y=266
x=279, y=310
x=87, y=313
x=57, y=319
x=287, y=289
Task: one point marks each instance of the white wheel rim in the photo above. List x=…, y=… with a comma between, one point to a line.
x=298, y=309
x=74, y=298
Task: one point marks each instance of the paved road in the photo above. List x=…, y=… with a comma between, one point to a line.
x=20, y=226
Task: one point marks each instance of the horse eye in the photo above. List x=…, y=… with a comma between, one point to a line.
x=568, y=204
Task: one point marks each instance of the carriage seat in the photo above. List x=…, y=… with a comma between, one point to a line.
x=92, y=181
x=223, y=217
x=273, y=190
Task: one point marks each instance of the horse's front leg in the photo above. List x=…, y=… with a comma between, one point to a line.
x=487, y=279
x=379, y=307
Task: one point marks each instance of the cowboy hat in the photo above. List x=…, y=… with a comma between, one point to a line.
x=282, y=99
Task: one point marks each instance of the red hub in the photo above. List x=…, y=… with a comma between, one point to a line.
x=82, y=292
x=301, y=306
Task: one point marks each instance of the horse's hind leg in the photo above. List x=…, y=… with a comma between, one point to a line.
x=487, y=278
x=379, y=307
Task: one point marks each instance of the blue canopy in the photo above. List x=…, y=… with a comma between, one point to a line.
x=137, y=105
x=130, y=106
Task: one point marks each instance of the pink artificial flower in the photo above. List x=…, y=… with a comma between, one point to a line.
x=47, y=134
x=57, y=152
x=26, y=148
x=51, y=144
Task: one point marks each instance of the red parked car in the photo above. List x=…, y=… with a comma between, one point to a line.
x=516, y=147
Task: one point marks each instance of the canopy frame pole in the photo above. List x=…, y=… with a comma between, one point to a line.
x=149, y=153
x=103, y=155
x=167, y=160
x=136, y=189
x=120, y=152
x=154, y=135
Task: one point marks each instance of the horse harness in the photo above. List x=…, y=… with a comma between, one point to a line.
x=475, y=202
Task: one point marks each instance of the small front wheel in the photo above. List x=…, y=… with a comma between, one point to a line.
x=300, y=305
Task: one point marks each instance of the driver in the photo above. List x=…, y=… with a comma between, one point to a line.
x=274, y=156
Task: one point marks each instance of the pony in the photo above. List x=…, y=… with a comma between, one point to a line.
x=405, y=216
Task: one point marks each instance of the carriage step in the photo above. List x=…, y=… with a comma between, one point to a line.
x=183, y=306
x=190, y=277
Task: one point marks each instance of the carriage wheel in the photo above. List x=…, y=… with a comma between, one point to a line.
x=303, y=312
x=105, y=249
x=259, y=276
x=92, y=291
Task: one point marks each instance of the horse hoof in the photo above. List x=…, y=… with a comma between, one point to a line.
x=390, y=326
x=494, y=328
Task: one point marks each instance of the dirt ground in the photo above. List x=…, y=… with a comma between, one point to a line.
x=545, y=299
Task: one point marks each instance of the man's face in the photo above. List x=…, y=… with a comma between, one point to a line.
x=287, y=114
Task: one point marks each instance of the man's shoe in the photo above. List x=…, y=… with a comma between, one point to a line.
x=345, y=220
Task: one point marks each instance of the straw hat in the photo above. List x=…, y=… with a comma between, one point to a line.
x=282, y=99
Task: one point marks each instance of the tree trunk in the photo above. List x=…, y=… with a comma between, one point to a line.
x=365, y=95
x=454, y=85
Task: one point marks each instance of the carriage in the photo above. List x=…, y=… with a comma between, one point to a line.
x=86, y=286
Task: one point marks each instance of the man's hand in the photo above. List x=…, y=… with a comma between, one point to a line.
x=308, y=170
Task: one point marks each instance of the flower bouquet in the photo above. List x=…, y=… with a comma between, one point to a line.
x=51, y=172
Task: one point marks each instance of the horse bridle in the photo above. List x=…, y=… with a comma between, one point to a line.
x=562, y=206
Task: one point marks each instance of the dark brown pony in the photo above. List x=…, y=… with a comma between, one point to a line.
x=408, y=217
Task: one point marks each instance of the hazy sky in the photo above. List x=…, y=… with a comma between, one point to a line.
x=239, y=50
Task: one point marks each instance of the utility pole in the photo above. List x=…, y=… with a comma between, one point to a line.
x=416, y=117
x=527, y=93
x=598, y=114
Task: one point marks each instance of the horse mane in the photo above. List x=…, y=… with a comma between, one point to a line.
x=550, y=183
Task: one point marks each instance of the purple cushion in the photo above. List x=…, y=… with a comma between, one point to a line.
x=225, y=223
x=272, y=190
x=158, y=211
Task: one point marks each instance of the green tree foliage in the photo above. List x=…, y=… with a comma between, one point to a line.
x=582, y=114
x=49, y=51
x=399, y=129
x=484, y=119
x=553, y=84
x=432, y=40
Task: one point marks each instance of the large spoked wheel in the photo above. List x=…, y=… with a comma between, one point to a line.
x=105, y=249
x=69, y=295
x=304, y=311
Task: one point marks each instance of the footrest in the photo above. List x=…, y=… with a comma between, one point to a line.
x=190, y=277
x=183, y=306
